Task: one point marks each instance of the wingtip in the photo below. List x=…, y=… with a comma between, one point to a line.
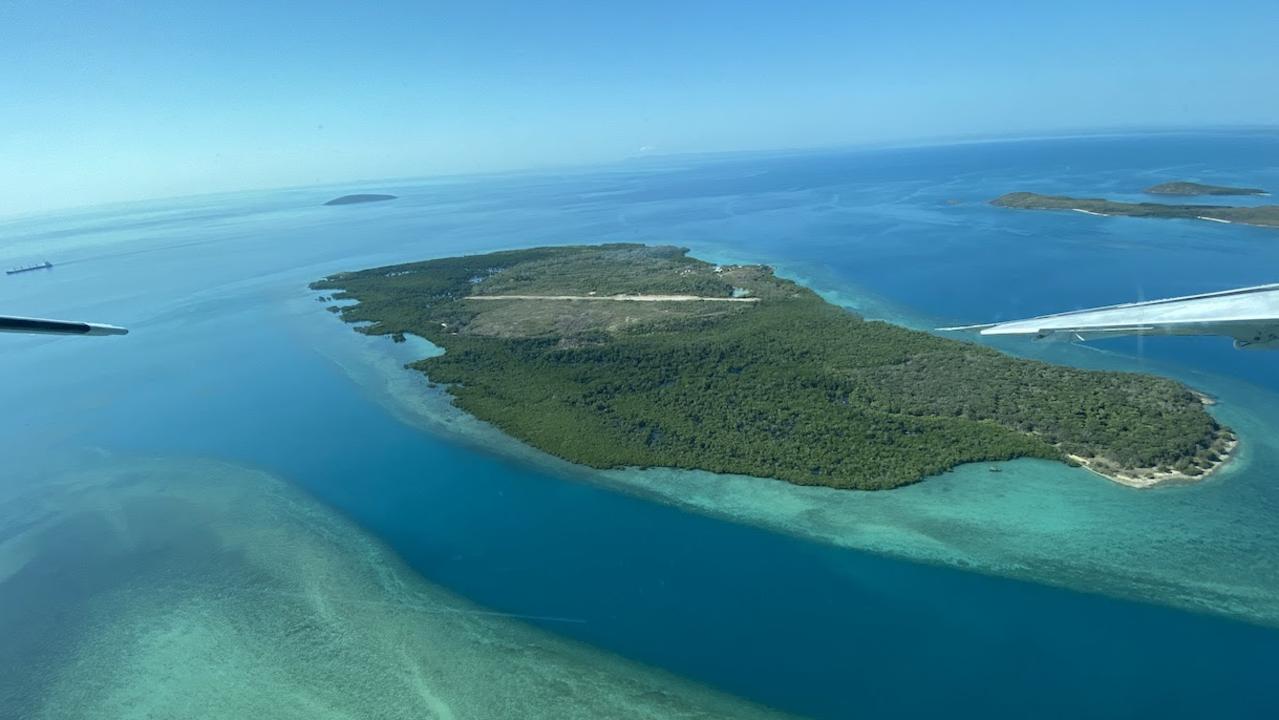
x=100, y=329
x=966, y=328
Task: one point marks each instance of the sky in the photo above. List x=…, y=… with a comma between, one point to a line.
x=105, y=101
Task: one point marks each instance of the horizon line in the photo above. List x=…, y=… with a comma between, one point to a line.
x=923, y=142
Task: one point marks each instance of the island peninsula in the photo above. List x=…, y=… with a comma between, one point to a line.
x=1185, y=187
x=1264, y=215
x=631, y=355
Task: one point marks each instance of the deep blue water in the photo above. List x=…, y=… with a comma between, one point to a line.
x=216, y=368
x=915, y=226
x=792, y=623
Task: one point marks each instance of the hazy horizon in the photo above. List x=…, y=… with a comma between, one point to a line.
x=374, y=184
x=124, y=102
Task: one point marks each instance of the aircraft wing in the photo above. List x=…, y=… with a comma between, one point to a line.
x=1249, y=315
x=9, y=323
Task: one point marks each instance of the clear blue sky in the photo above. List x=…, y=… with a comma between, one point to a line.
x=103, y=101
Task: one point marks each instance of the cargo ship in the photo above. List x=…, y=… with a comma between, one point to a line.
x=42, y=266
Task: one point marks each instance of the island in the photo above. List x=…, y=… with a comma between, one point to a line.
x=1184, y=187
x=627, y=355
x=1263, y=215
x=359, y=198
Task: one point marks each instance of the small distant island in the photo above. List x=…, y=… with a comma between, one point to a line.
x=1264, y=215
x=359, y=198
x=1184, y=187
x=627, y=355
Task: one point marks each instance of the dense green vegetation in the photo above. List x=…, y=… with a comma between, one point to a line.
x=1266, y=215
x=789, y=387
x=1183, y=187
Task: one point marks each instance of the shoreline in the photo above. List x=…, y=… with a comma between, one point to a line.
x=1222, y=221
x=929, y=522
x=1136, y=477
x=1142, y=480
x=1145, y=478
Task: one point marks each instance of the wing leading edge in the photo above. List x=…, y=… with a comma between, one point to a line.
x=1248, y=315
x=9, y=323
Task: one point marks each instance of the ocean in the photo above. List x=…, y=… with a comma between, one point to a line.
x=1039, y=590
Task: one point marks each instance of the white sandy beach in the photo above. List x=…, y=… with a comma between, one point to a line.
x=1153, y=477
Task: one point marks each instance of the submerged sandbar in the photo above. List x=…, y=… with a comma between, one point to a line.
x=174, y=589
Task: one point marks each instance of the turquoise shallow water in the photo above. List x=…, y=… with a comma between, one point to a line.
x=232, y=359
x=153, y=588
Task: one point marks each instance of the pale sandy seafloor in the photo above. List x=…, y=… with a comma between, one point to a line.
x=185, y=588
x=1203, y=547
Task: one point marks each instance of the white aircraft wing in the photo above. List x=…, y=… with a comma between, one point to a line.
x=1249, y=315
x=9, y=323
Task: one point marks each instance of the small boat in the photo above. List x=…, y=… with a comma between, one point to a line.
x=46, y=265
